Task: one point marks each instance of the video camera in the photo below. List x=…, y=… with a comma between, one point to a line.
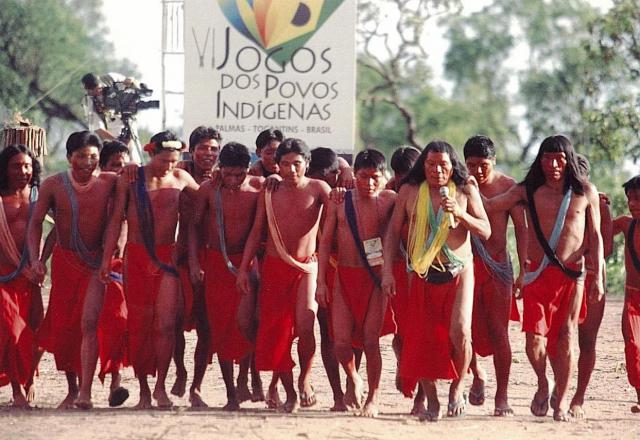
x=126, y=100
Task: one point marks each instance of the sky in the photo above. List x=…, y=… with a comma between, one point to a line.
x=135, y=29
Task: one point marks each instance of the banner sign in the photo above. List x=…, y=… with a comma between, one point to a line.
x=286, y=64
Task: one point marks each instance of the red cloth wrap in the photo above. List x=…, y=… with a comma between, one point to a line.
x=61, y=331
x=141, y=285
x=222, y=300
x=356, y=287
x=112, y=327
x=485, y=286
x=426, y=348
x=399, y=301
x=631, y=331
x=277, y=311
x=546, y=303
x=17, y=339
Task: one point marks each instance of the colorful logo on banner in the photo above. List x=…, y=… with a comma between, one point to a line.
x=279, y=27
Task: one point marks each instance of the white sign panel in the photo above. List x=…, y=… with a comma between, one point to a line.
x=286, y=64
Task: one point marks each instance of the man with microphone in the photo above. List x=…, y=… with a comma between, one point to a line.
x=441, y=210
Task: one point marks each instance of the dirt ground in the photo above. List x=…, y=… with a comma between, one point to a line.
x=609, y=398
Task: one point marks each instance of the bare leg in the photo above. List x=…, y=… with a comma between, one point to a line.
x=30, y=386
x=537, y=354
x=342, y=329
x=257, y=393
x=72, y=393
x=433, y=413
x=94, y=299
x=587, y=336
x=371, y=331
x=242, y=389
x=460, y=337
x=19, y=399
x=563, y=361
x=165, y=330
x=273, y=397
x=200, y=357
x=330, y=362
x=226, y=367
x=180, y=385
x=306, y=308
x=145, y=394
x=476, y=393
x=498, y=323
x=291, y=404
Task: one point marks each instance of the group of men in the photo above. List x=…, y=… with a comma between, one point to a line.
x=263, y=251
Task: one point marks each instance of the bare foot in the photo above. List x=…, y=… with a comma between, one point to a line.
x=30, y=391
x=144, y=402
x=67, y=403
x=273, y=398
x=577, y=412
x=83, y=402
x=370, y=410
x=636, y=408
x=180, y=385
x=419, y=408
x=307, y=397
x=432, y=413
x=540, y=403
x=504, y=411
x=243, y=393
x=339, y=406
x=561, y=416
x=291, y=406
x=162, y=399
x=457, y=407
x=232, y=405
x=476, y=393
x=196, y=400
x=257, y=394
x=355, y=393
x=20, y=401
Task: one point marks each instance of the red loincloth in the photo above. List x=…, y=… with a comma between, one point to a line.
x=426, y=348
x=141, y=284
x=400, y=300
x=61, y=331
x=631, y=329
x=17, y=338
x=485, y=286
x=356, y=287
x=112, y=327
x=277, y=311
x=222, y=300
x=546, y=303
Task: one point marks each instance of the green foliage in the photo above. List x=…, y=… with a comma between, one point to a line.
x=46, y=46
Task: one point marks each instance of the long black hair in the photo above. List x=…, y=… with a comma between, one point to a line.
x=416, y=176
x=5, y=157
x=574, y=178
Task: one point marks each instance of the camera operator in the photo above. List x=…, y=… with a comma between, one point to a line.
x=105, y=121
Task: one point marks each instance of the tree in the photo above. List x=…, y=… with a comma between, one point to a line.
x=45, y=47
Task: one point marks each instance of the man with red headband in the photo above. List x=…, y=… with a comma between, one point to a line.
x=150, y=206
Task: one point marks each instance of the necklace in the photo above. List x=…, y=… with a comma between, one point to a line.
x=81, y=187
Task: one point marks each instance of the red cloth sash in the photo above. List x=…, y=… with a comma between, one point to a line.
x=222, y=300
x=277, y=311
x=142, y=279
x=61, y=332
x=356, y=287
x=546, y=303
x=17, y=338
x=426, y=348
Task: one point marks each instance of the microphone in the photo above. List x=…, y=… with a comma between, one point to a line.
x=444, y=192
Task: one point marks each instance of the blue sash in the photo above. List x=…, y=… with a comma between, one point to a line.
x=24, y=256
x=503, y=271
x=350, y=213
x=529, y=277
x=220, y=224
x=145, y=220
